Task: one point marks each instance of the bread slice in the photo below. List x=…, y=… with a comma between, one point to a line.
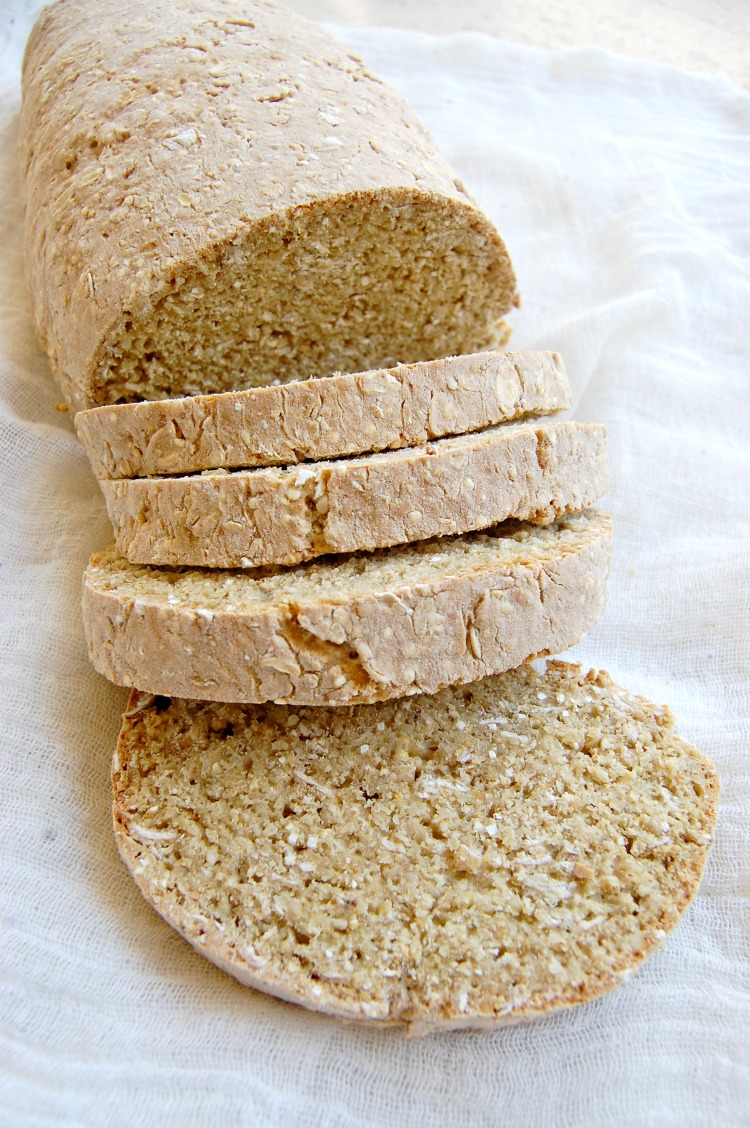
x=314, y=419
x=219, y=195
x=354, y=629
x=490, y=853
x=248, y=518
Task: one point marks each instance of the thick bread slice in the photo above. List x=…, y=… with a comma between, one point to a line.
x=488, y=854
x=218, y=195
x=347, y=414
x=248, y=518
x=356, y=629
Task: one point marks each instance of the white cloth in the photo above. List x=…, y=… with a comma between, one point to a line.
x=622, y=191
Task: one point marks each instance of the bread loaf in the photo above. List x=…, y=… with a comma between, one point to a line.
x=354, y=629
x=490, y=853
x=313, y=419
x=218, y=195
x=283, y=516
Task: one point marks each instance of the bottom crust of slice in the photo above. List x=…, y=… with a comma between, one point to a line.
x=490, y=853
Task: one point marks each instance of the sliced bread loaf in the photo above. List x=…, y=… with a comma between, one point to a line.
x=354, y=629
x=218, y=195
x=313, y=419
x=248, y=518
x=490, y=853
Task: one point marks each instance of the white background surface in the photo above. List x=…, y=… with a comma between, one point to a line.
x=710, y=36
x=621, y=189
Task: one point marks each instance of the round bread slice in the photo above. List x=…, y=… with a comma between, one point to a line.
x=344, y=414
x=357, y=629
x=490, y=853
x=219, y=195
x=270, y=515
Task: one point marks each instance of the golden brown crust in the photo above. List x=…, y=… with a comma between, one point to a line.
x=494, y=852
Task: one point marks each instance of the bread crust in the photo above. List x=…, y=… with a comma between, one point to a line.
x=202, y=129
x=578, y=900
x=343, y=414
x=444, y=612
x=249, y=518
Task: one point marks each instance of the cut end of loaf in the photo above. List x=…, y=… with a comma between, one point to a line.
x=364, y=281
x=494, y=852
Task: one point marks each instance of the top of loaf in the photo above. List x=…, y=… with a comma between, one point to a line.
x=157, y=138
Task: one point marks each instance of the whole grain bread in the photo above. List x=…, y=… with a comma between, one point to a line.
x=247, y=518
x=350, y=629
x=219, y=195
x=344, y=414
x=491, y=853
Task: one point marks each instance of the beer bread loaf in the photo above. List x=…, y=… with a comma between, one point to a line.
x=218, y=195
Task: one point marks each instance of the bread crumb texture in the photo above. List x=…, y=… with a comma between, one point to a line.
x=360, y=628
x=219, y=196
x=246, y=518
x=341, y=414
x=490, y=853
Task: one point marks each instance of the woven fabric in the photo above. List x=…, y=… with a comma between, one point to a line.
x=621, y=189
